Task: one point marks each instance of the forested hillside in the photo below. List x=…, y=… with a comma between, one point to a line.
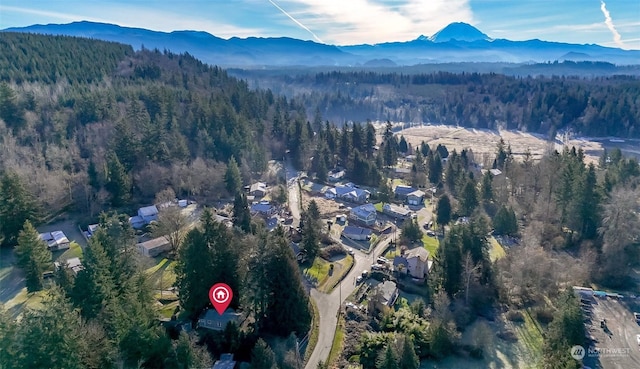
x=599, y=106
x=89, y=124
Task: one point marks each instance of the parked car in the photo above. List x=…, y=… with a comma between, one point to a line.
x=359, y=279
x=376, y=267
x=431, y=233
x=638, y=339
x=382, y=260
x=350, y=251
x=637, y=317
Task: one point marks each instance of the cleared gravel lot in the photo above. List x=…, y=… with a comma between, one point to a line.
x=615, y=346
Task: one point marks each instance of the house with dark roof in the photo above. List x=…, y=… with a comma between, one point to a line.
x=365, y=214
x=210, y=319
x=356, y=233
x=226, y=362
x=401, y=192
x=417, y=262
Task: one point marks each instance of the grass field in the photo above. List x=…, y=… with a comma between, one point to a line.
x=74, y=251
x=431, y=244
x=340, y=269
x=497, y=251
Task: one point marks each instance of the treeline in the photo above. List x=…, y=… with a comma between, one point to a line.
x=105, y=316
x=121, y=126
x=600, y=106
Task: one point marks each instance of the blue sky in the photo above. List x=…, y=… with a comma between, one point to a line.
x=613, y=23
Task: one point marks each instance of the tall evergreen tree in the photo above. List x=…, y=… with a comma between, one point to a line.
x=288, y=308
x=118, y=181
x=9, y=347
x=33, y=256
x=434, y=162
x=486, y=187
x=408, y=358
x=50, y=337
x=16, y=206
x=207, y=256
x=262, y=356
x=241, y=212
x=469, y=199
x=443, y=211
x=388, y=359
x=232, y=178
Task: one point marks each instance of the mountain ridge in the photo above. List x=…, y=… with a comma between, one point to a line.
x=457, y=42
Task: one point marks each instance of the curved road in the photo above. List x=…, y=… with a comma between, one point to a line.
x=328, y=304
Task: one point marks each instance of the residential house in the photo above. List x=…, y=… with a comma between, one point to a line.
x=263, y=208
x=415, y=198
x=335, y=175
x=349, y=193
x=417, y=262
x=385, y=296
x=395, y=211
x=356, y=233
x=495, y=172
x=226, y=362
x=210, y=319
x=55, y=240
x=402, y=172
x=258, y=189
x=91, y=229
x=154, y=247
x=401, y=192
x=365, y=214
x=137, y=222
x=148, y=213
x=74, y=264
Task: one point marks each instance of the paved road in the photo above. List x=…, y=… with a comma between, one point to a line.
x=616, y=346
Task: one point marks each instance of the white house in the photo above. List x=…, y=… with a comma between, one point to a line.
x=417, y=262
x=148, y=213
x=415, y=198
x=154, y=247
x=395, y=211
x=74, y=264
x=335, y=176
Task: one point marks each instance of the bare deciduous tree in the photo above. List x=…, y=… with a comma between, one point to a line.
x=171, y=224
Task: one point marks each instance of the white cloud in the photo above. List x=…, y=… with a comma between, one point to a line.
x=367, y=21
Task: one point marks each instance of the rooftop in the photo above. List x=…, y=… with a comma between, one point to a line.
x=419, y=252
x=154, y=243
x=356, y=230
x=148, y=211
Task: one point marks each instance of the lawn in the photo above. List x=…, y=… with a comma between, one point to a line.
x=530, y=336
x=318, y=272
x=74, y=251
x=338, y=338
x=378, y=207
x=162, y=275
x=431, y=244
x=497, y=251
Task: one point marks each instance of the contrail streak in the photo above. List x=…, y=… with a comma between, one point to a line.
x=296, y=21
x=609, y=22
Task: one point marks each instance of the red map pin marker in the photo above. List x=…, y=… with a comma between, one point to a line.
x=220, y=295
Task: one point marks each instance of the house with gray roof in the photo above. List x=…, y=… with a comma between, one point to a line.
x=210, y=319
x=365, y=214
